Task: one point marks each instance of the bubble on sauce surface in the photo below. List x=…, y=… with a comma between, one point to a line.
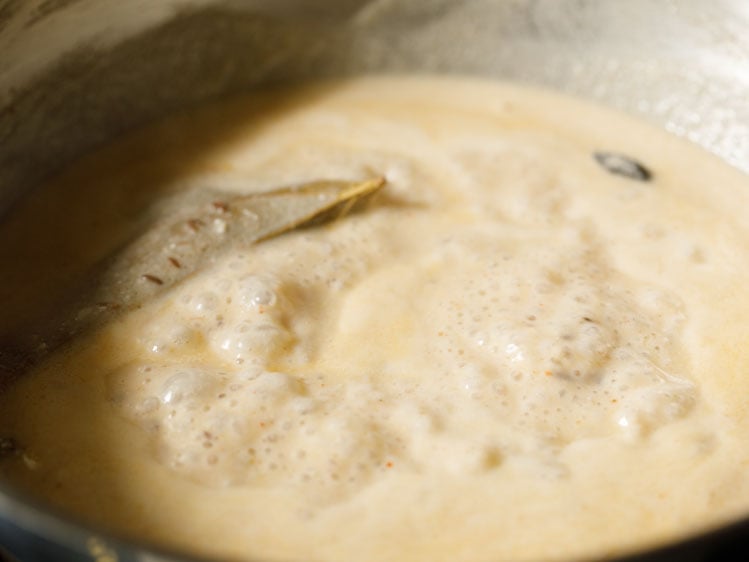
x=171, y=335
x=544, y=199
x=645, y=409
x=185, y=384
x=253, y=427
x=141, y=389
x=531, y=350
x=258, y=291
x=205, y=303
x=253, y=342
x=569, y=340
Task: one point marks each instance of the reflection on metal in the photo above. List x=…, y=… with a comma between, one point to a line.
x=99, y=550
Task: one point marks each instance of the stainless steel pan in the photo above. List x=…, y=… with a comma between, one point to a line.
x=75, y=73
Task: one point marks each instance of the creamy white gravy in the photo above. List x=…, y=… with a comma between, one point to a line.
x=512, y=354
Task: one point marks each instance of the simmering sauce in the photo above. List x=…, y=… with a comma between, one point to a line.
x=512, y=353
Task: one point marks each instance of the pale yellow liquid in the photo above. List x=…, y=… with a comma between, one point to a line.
x=512, y=354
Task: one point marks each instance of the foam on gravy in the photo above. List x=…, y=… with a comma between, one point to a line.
x=512, y=354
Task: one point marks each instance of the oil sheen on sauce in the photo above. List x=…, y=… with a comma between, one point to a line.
x=511, y=354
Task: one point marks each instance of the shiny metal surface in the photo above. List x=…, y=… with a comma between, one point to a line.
x=74, y=73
